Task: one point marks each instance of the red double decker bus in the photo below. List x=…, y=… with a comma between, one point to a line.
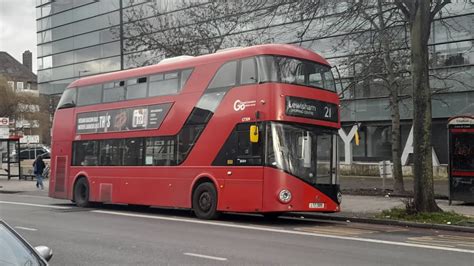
x=245, y=130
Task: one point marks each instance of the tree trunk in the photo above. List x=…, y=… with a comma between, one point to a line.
x=398, y=186
x=423, y=165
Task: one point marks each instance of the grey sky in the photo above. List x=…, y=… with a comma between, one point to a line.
x=18, y=28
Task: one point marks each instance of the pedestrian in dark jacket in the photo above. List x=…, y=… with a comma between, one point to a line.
x=38, y=168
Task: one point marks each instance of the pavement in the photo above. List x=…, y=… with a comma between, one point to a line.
x=357, y=208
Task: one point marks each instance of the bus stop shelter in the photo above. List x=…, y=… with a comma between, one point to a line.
x=461, y=158
x=10, y=162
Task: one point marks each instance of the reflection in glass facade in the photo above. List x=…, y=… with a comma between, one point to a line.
x=76, y=38
x=85, y=37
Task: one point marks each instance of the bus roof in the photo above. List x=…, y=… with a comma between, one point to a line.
x=221, y=56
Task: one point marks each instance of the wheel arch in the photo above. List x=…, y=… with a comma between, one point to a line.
x=203, y=178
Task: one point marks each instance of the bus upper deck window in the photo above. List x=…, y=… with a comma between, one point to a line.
x=164, y=84
x=225, y=76
x=136, y=88
x=89, y=95
x=114, y=92
x=248, y=71
x=184, y=77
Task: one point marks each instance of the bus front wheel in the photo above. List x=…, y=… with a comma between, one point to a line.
x=205, y=201
x=81, y=193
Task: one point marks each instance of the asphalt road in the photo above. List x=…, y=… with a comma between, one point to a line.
x=120, y=235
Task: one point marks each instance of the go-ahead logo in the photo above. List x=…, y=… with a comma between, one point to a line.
x=240, y=106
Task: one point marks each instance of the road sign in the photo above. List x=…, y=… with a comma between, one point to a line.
x=30, y=139
x=4, y=121
x=4, y=132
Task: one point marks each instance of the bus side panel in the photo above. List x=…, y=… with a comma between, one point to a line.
x=60, y=170
x=145, y=186
x=302, y=194
x=243, y=189
x=222, y=124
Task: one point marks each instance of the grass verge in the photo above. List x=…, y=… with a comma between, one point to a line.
x=448, y=218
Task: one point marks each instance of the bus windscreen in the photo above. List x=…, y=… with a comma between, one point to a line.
x=296, y=71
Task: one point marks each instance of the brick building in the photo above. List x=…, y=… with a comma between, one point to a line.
x=21, y=79
x=19, y=76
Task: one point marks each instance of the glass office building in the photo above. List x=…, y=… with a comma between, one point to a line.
x=78, y=38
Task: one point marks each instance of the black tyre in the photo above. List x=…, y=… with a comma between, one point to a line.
x=81, y=193
x=271, y=215
x=205, y=201
x=138, y=207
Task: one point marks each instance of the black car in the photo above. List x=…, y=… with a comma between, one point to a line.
x=28, y=154
x=32, y=153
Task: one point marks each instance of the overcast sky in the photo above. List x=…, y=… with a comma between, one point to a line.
x=18, y=28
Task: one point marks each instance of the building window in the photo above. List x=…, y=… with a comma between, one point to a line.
x=11, y=84
x=19, y=86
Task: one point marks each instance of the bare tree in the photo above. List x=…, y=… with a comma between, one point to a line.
x=377, y=52
x=420, y=14
x=388, y=44
x=193, y=28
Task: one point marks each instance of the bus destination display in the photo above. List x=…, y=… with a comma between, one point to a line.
x=309, y=108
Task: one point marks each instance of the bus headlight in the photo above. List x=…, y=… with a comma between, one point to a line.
x=284, y=196
x=339, y=197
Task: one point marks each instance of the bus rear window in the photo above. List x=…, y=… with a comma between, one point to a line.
x=68, y=99
x=296, y=71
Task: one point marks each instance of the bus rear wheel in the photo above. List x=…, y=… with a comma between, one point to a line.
x=205, y=201
x=81, y=193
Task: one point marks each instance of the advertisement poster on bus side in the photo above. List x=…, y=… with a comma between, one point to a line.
x=118, y=120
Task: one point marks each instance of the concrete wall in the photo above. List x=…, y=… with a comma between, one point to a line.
x=372, y=169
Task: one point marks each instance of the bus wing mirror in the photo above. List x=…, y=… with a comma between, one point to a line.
x=253, y=133
x=339, y=87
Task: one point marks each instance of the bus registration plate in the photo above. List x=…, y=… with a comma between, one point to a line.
x=316, y=205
